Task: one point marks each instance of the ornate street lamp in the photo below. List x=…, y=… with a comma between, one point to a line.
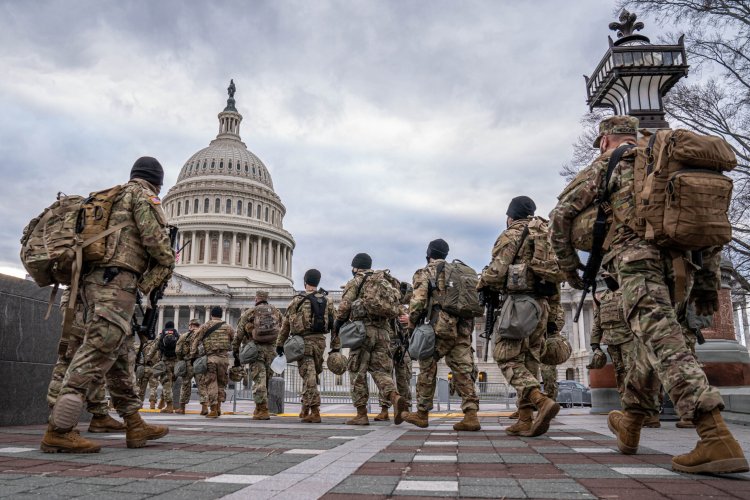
x=634, y=75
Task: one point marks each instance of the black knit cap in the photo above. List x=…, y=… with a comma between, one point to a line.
x=169, y=325
x=362, y=261
x=149, y=169
x=312, y=277
x=216, y=312
x=437, y=249
x=521, y=207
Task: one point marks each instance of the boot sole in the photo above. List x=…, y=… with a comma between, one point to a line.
x=726, y=466
x=401, y=407
x=140, y=443
x=56, y=449
x=378, y=419
x=624, y=449
x=104, y=431
x=260, y=418
x=541, y=423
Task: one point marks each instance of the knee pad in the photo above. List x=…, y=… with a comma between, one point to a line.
x=66, y=412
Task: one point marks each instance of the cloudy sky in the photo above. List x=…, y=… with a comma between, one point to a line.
x=384, y=124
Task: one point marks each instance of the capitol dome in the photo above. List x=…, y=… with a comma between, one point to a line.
x=229, y=216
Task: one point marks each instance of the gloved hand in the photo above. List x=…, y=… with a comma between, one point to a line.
x=551, y=328
x=279, y=350
x=598, y=360
x=595, y=347
x=573, y=279
x=236, y=360
x=706, y=302
x=337, y=326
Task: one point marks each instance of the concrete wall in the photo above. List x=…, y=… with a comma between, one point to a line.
x=28, y=351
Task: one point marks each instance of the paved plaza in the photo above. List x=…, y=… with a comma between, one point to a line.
x=234, y=457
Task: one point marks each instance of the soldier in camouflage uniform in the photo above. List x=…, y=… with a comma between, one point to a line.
x=168, y=355
x=216, y=338
x=148, y=381
x=109, y=295
x=260, y=370
x=183, y=353
x=452, y=341
x=373, y=355
x=70, y=342
x=555, y=324
x=519, y=359
x=646, y=275
x=402, y=369
x=299, y=320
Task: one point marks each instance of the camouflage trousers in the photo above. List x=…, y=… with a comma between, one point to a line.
x=216, y=378
x=309, y=367
x=549, y=379
x=519, y=359
x=148, y=383
x=261, y=372
x=374, y=356
x=459, y=356
x=623, y=356
x=186, y=390
x=662, y=355
x=106, y=350
x=402, y=378
x=167, y=380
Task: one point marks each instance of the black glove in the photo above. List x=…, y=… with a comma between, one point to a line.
x=574, y=279
x=706, y=302
x=551, y=328
x=337, y=326
x=280, y=350
x=595, y=347
x=237, y=360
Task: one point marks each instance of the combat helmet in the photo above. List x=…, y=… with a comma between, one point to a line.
x=598, y=360
x=236, y=373
x=556, y=350
x=337, y=362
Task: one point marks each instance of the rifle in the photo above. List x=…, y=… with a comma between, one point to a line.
x=490, y=301
x=402, y=344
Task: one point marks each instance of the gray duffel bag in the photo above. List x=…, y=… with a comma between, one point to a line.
x=159, y=368
x=294, y=348
x=353, y=334
x=180, y=368
x=140, y=371
x=422, y=342
x=249, y=353
x=519, y=317
x=200, y=366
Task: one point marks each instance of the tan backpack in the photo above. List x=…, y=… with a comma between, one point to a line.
x=378, y=296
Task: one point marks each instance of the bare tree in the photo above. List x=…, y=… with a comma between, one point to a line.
x=583, y=150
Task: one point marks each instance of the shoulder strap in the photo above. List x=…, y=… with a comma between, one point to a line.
x=359, y=290
x=524, y=235
x=213, y=329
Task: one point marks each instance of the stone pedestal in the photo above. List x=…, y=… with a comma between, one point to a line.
x=276, y=395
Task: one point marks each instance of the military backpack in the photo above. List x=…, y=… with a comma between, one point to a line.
x=377, y=297
x=460, y=297
x=265, y=325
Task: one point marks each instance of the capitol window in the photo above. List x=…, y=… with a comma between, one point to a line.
x=229, y=167
x=229, y=207
x=213, y=164
x=195, y=206
x=217, y=206
x=246, y=169
x=187, y=206
x=205, y=163
x=266, y=217
x=225, y=251
x=239, y=207
x=221, y=165
x=214, y=250
x=205, y=206
x=257, y=213
x=249, y=209
x=179, y=206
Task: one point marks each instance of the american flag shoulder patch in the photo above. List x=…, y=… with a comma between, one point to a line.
x=155, y=200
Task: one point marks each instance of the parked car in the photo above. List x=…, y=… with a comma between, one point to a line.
x=572, y=393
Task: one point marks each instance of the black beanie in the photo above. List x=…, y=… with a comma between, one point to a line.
x=362, y=261
x=437, y=249
x=169, y=325
x=216, y=312
x=521, y=207
x=149, y=169
x=312, y=277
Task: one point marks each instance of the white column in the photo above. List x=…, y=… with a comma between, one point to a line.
x=206, y=249
x=289, y=260
x=233, y=250
x=176, y=316
x=193, y=247
x=192, y=313
x=180, y=245
x=246, y=254
x=220, y=256
x=160, y=325
x=257, y=252
x=208, y=313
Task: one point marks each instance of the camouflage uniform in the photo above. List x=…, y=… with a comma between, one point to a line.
x=168, y=378
x=452, y=341
x=110, y=303
x=518, y=359
x=183, y=353
x=148, y=381
x=549, y=372
x=645, y=273
x=216, y=346
x=260, y=370
x=402, y=371
x=610, y=328
x=311, y=365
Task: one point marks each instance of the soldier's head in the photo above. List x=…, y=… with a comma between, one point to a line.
x=194, y=324
x=312, y=280
x=521, y=207
x=616, y=130
x=216, y=312
x=150, y=170
x=169, y=325
x=437, y=249
x=361, y=262
x=261, y=296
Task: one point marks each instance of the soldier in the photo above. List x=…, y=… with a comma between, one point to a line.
x=109, y=294
x=374, y=354
x=183, y=353
x=555, y=324
x=452, y=341
x=519, y=358
x=96, y=403
x=260, y=324
x=216, y=338
x=402, y=366
x=167, y=344
x=310, y=315
x=643, y=271
x=148, y=381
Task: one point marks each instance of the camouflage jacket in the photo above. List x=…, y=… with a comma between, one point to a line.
x=299, y=309
x=149, y=353
x=495, y=275
x=556, y=311
x=245, y=327
x=609, y=326
x=217, y=342
x=183, y=345
x=421, y=294
x=133, y=246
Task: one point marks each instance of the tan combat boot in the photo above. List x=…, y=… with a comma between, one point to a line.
x=181, y=409
x=204, y=409
x=361, y=418
x=105, y=423
x=139, y=432
x=152, y=405
x=685, y=423
x=469, y=423
x=716, y=453
x=652, y=422
x=514, y=415
x=418, y=418
x=218, y=408
x=547, y=409
x=305, y=411
x=627, y=427
x=383, y=415
x=314, y=416
x=214, y=413
x=399, y=408
x=67, y=442
x=162, y=404
x=525, y=417
x=262, y=412
x=168, y=409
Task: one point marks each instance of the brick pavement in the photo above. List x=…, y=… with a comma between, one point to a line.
x=236, y=457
